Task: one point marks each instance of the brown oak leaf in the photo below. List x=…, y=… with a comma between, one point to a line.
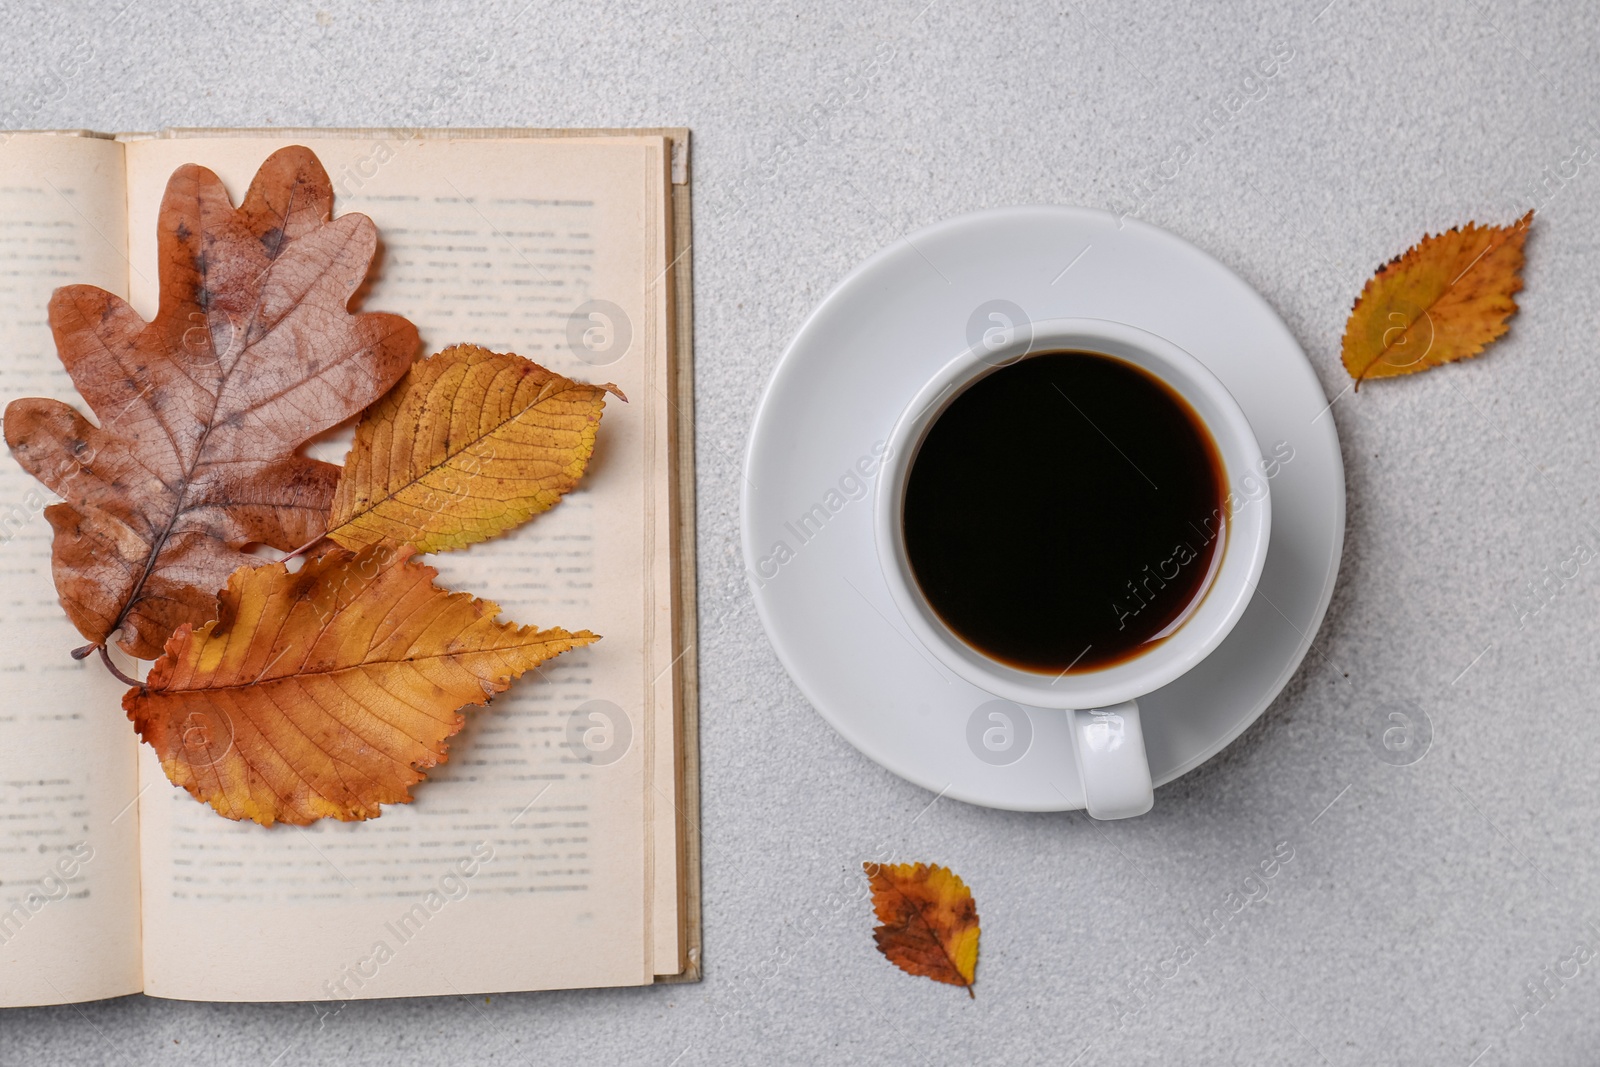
x=930, y=922
x=253, y=351
x=1445, y=299
x=328, y=691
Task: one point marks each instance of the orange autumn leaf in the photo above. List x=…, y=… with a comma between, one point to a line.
x=929, y=921
x=327, y=692
x=201, y=411
x=1446, y=298
x=470, y=444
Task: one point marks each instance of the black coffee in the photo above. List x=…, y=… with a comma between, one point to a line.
x=1065, y=512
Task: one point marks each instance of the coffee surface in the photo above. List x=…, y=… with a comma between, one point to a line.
x=1065, y=512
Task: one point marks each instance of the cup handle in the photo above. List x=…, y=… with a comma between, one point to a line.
x=1108, y=747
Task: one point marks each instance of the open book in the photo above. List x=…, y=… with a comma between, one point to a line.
x=558, y=846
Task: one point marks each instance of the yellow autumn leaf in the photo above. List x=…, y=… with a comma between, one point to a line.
x=327, y=692
x=929, y=921
x=1445, y=299
x=470, y=444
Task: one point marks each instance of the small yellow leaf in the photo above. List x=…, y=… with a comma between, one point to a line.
x=470, y=444
x=930, y=922
x=328, y=691
x=1445, y=299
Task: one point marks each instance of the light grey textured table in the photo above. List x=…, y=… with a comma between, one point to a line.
x=1420, y=899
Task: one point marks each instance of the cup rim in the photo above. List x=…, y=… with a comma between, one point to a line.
x=1243, y=552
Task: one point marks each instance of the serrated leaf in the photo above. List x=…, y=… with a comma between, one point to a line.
x=327, y=692
x=253, y=351
x=470, y=444
x=929, y=921
x=1446, y=298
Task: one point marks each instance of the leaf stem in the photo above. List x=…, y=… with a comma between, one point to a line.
x=105, y=657
x=303, y=549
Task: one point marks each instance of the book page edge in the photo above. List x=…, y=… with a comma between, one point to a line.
x=687, y=676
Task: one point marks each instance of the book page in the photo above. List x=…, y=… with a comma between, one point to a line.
x=69, y=875
x=528, y=860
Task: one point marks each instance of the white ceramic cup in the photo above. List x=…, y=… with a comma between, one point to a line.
x=1108, y=745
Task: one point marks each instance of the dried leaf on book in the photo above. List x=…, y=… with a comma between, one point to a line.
x=470, y=444
x=252, y=352
x=329, y=691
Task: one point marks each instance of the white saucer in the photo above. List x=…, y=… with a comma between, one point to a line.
x=851, y=370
